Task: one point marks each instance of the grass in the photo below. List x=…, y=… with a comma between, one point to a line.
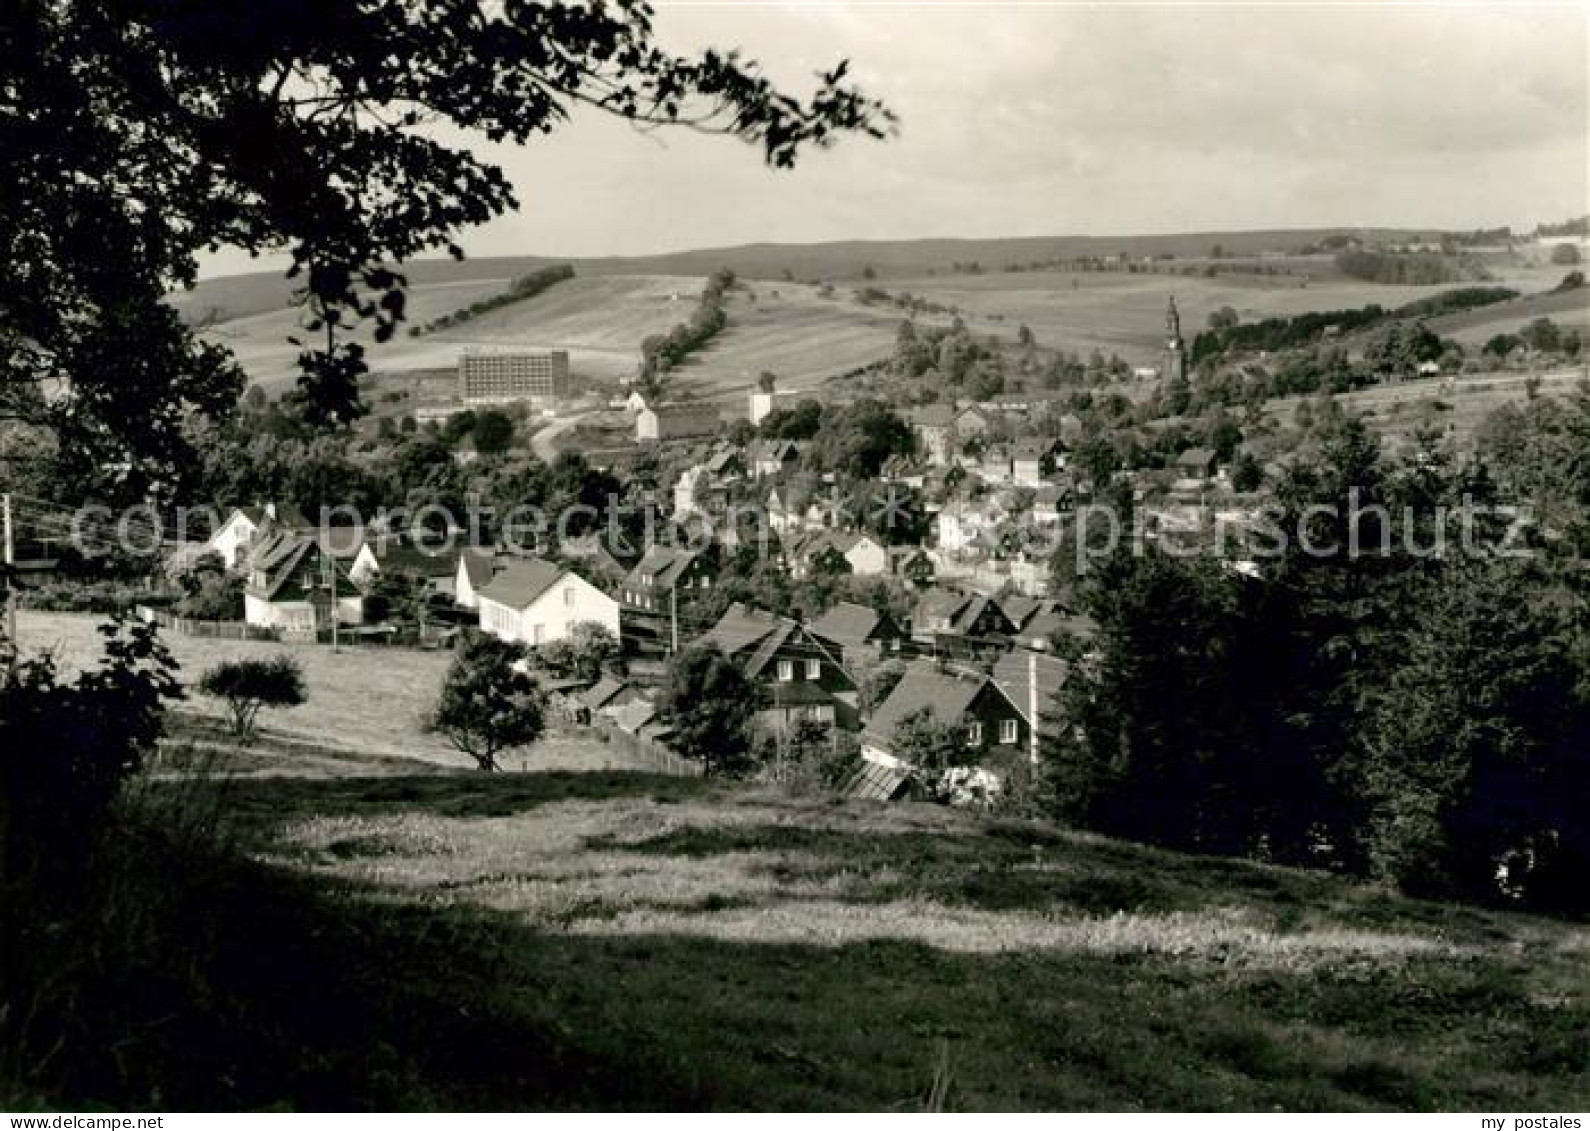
x=573, y=940
x=362, y=703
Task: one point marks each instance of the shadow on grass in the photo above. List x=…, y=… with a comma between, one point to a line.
x=257, y=987
x=449, y=793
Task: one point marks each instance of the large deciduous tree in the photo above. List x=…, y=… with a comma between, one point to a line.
x=142, y=133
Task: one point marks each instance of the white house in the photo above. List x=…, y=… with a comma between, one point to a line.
x=535, y=602
x=475, y=570
x=234, y=536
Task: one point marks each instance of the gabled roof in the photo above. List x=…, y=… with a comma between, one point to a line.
x=931, y=416
x=1013, y=674
x=938, y=603
x=521, y=582
x=395, y=554
x=1019, y=608
x=722, y=460
x=663, y=564
x=479, y=566
x=741, y=628
x=847, y=623
x=762, y=451
x=1196, y=457
x=946, y=694
x=606, y=690
x=1034, y=448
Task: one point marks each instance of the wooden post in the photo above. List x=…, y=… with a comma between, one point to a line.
x=10, y=579
x=673, y=620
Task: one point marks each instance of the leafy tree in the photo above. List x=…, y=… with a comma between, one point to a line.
x=768, y=381
x=1223, y=319
x=588, y=651
x=210, y=592
x=1564, y=255
x=1542, y=334
x=493, y=432
x=708, y=702
x=487, y=704
x=246, y=686
x=929, y=747
x=308, y=129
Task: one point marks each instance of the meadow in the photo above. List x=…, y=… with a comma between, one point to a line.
x=363, y=702
x=379, y=928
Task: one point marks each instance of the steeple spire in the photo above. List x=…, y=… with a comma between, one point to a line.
x=1173, y=322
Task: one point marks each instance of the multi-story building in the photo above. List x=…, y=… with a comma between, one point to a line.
x=495, y=378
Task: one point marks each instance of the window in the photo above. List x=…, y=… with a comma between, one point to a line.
x=814, y=669
x=568, y=595
x=706, y=582
x=786, y=670
x=1007, y=731
x=974, y=734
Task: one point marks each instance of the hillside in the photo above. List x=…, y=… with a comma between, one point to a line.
x=1569, y=309
x=238, y=296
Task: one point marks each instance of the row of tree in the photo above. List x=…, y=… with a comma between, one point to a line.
x=521, y=288
x=1417, y=716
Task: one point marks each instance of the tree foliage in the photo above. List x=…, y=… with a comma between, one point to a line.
x=142, y=133
x=709, y=702
x=487, y=703
x=246, y=686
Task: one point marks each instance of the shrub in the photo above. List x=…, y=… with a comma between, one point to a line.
x=248, y=685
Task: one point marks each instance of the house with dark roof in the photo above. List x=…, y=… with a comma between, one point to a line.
x=859, y=633
x=934, y=428
x=955, y=621
x=773, y=457
x=796, y=674
x=393, y=554
x=1197, y=463
x=676, y=422
x=989, y=725
x=913, y=564
x=835, y=551
x=536, y=602
x=664, y=570
x=297, y=586
x=244, y=525
x=1031, y=680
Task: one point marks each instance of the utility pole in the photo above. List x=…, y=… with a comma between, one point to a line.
x=673, y=621
x=1032, y=707
x=328, y=574
x=10, y=578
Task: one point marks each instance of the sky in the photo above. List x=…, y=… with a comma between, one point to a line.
x=1063, y=119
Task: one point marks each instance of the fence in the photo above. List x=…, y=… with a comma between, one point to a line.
x=650, y=751
x=210, y=629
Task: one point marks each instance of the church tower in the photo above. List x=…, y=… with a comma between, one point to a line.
x=1175, y=368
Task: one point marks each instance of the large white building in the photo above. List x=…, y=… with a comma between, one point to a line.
x=498, y=378
x=534, y=602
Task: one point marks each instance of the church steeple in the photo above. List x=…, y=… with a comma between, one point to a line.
x=1175, y=368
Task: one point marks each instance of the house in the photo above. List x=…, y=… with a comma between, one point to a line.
x=676, y=422
x=859, y=633
x=989, y=724
x=725, y=465
x=233, y=537
x=773, y=457
x=1048, y=504
x=635, y=402
x=536, y=602
x=297, y=586
x=967, y=527
x=1033, y=461
x=836, y=551
x=475, y=569
x=913, y=564
x=1197, y=463
x=1031, y=680
x=661, y=571
x=378, y=557
x=934, y=427
x=797, y=675
x=971, y=422
x=904, y=471
x=946, y=616
x=608, y=695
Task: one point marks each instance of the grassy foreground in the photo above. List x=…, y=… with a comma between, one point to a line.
x=441, y=939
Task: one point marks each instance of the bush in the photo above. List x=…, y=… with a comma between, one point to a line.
x=66, y=749
x=249, y=685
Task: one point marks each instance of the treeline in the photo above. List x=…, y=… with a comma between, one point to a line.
x=1414, y=716
x=1273, y=334
x=661, y=352
x=1408, y=268
x=523, y=287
